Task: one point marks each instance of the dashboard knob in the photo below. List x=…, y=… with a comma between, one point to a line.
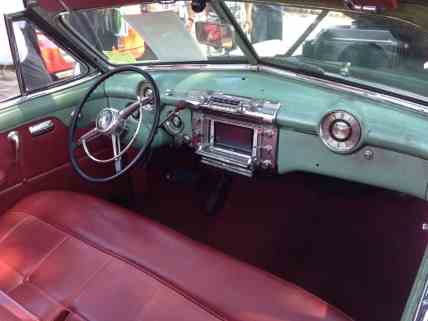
x=268, y=133
x=266, y=164
x=176, y=121
x=268, y=149
x=340, y=130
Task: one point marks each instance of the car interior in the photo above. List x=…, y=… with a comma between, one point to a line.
x=231, y=192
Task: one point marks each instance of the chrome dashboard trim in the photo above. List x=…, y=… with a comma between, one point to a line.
x=214, y=67
x=400, y=103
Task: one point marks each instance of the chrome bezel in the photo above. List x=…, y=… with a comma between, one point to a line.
x=142, y=88
x=345, y=147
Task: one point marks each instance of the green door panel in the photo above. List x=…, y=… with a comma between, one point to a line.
x=387, y=169
x=58, y=104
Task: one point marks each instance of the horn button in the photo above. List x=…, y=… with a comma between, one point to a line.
x=109, y=121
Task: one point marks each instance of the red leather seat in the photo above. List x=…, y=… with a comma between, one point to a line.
x=66, y=256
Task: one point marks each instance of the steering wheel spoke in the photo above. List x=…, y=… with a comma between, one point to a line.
x=115, y=140
x=89, y=136
x=128, y=111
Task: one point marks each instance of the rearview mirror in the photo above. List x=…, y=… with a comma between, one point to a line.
x=214, y=34
x=373, y=6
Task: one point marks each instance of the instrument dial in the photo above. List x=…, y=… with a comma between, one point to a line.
x=340, y=131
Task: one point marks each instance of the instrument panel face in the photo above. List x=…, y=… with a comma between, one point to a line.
x=317, y=128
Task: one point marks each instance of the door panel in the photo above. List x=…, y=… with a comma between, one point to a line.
x=43, y=161
x=46, y=151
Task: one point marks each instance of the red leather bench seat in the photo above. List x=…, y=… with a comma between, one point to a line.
x=66, y=256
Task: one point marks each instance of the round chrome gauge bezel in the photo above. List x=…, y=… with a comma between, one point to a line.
x=347, y=145
x=144, y=88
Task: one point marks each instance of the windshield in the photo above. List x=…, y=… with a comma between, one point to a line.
x=155, y=33
x=368, y=49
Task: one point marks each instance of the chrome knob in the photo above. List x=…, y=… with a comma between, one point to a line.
x=176, y=121
x=340, y=130
x=268, y=133
x=266, y=164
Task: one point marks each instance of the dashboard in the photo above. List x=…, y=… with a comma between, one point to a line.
x=250, y=121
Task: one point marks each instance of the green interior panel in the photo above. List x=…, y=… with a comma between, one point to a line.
x=397, y=136
x=59, y=104
x=388, y=169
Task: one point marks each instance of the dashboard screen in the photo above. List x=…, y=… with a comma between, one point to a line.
x=235, y=138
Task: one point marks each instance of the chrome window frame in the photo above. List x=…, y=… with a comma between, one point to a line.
x=53, y=87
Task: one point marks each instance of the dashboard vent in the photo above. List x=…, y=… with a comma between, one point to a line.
x=224, y=100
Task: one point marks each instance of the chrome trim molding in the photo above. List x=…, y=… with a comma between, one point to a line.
x=22, y=99
x=400, y=103
x=15, y=139
x=41, y=128
x=204, y=67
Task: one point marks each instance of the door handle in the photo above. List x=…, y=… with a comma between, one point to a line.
x=14, y=138
x=41, y=128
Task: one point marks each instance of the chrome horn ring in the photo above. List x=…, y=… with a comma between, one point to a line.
x=111, y=122
x=122, y=151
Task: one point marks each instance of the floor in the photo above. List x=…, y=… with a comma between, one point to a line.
x=355, y=246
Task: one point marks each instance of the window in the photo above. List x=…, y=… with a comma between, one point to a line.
x=42, y=62
x=9, y=87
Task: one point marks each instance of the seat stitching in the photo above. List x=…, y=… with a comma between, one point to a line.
x=62, y=306
x=214, y=312
x=46, y=256
x=16, y=226
x=176, y=288
x=12, y=268
x=11, y=302
x=144, y=306
x=80, y=290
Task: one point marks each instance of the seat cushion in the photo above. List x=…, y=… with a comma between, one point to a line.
x=62, y=252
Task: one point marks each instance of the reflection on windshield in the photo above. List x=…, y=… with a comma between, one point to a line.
x=370, y=49
x=150, y=32
x=373, y=49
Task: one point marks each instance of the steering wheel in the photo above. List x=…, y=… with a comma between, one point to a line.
x=111, y=122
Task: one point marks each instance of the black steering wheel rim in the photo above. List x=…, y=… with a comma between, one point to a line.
x=72, y=145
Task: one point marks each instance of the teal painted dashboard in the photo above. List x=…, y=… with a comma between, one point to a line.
x=394, y=135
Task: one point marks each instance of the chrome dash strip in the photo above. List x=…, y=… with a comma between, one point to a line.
x=214, y=67
x=401, y=103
